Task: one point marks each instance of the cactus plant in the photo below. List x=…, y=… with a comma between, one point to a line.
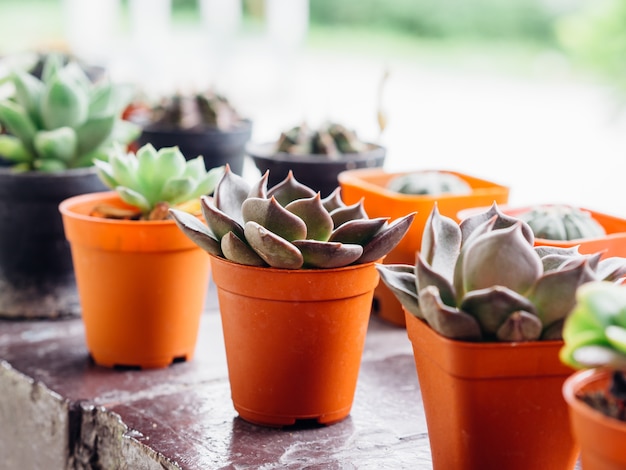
x=62, y=120
x=429, y=182
x=288, y=226
x=331, y=139
x=561, y=222
x=483, y=279
x=153, y=181
x=194, y=111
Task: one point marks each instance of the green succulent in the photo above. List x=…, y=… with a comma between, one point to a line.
x=484, y=280
x=562, y=222
x=62, y=120
x=151, y=178
x=595, y=332
x=288, y=226
x=429, y=183
x=330, y=139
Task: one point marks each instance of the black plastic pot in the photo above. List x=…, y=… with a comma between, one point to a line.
x=217, y=147
x=36, y=274
x=319, y=172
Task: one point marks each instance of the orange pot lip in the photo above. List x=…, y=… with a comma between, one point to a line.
x=310, y=271
x=362, y=177
x=584, y=378
x=67, y=208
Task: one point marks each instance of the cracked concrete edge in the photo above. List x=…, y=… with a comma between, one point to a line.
x=34, y=423
x=39, y=429
x=105, y=442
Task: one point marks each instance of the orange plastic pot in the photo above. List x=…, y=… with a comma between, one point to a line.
x=371, y=185
x=601, y=438
x=293, y=339
x=141, y=284
x=492, y=405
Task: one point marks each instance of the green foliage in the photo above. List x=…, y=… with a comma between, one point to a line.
x=62, y=120
x=529, y=19
x=153, y=177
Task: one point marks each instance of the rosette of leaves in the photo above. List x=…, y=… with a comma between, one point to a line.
x=429, y=183
x=288, y=226
x=331, y=139
x=62, y=120
x=484, y=280
x=595, y=332
x=562, y=222
x=153, y=181
x=195, y=111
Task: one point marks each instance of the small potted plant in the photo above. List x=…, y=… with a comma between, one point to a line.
x=142, y=284
x=316, y=156
x=54, y=129
x=202, y=123
x=295, y=277
x=595, y=342
x=395, y=193
x=484, y=310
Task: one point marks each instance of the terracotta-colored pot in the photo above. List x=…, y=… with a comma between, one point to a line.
x=492, y=405
x=371, y=185
x=141, y=284
x=293, y=339
x=601, y=438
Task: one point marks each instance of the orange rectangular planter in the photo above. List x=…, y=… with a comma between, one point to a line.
x=492, y=405
x=371, y=185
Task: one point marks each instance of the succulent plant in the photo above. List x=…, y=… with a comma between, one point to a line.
x=429, y=182
x=62, y=120
x=288, y=226
x=194, y=111
x=153, y=181
x=330, y=139
x=484, y=280
x=595, y=331
x=561, y=222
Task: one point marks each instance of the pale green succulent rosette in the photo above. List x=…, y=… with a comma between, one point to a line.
x=288, y=226
x=62, y=120
x=152, y=177
x=484, y=280
x=595, y=332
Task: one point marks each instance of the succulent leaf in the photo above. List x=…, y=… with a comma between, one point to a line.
x=360, y=231
x=470, y=224
x=11, y=148
x=260, y=188
x=333, y=200
x=520, y=326
x=501, y=257
x=63, y=104
x=448, y=321
x=386, y=239
x=289, y=190
x=319, y=224
x=345, y=213
x=230, y=193
x=494, y=305
x=196, y=231
x=441, y=243
x=275, y=250
x=322, y=254
x=93, y=132
x=219, y=222
x=274, y=217
x=59, y=144
x=15, y=118
x=400, y=279
x=238, y=251
x=426, y=276
x=134, y=198
x=28, y=91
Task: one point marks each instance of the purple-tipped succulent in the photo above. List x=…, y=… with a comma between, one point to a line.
x=288, y=226
x=484, y=280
